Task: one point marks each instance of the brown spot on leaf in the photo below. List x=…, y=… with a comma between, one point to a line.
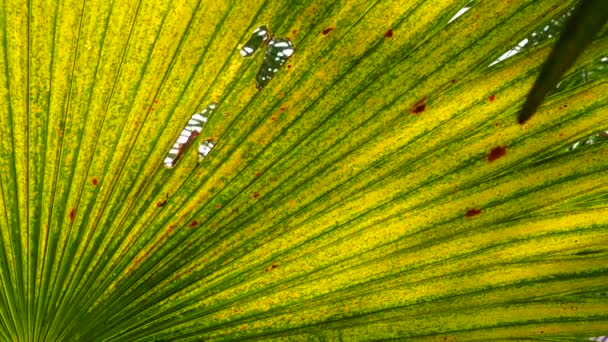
x=389, y=33
x=258, y=174
x=94, y=181
x=288, y=66
x=273, y=118
x=419, y=106
x=327, y=30
x=273, y=266
x=193, y=224
x=72, y=214
x=217, y=206
x=453, y=81
x=163, y=201
x=156, y=101
x=256, y=195
x=472, y=212
x=497, y=152
x=283, y=109
x=492, y=98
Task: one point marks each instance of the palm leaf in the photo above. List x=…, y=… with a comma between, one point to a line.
x=586, y=22
x=376, y=187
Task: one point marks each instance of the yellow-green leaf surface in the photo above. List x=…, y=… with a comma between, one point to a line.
x=377, y=187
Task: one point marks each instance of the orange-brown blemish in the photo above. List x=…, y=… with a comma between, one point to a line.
x=258, y=174
x=217, y=206
x=163, y=201
x=288, y=66
x=170, y=229
x=496, y=153
x=273, y=266
x=94, y=181
x=193, y=224
x=156, y=101
x=472, y=212
x=72, y=214
x=256, y=195
x=389, y=33
x=419, y=106
x=492, y=98
x=327, y=30
x=282, y=109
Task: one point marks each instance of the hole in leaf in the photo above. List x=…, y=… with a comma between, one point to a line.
x=205, y=148
x=193, y=129
x=460, y=12
x=588, y=141
x=257, y=39
x=277, y=53
x=547, y=30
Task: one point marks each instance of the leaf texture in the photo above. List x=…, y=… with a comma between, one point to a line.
x=377, y=187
